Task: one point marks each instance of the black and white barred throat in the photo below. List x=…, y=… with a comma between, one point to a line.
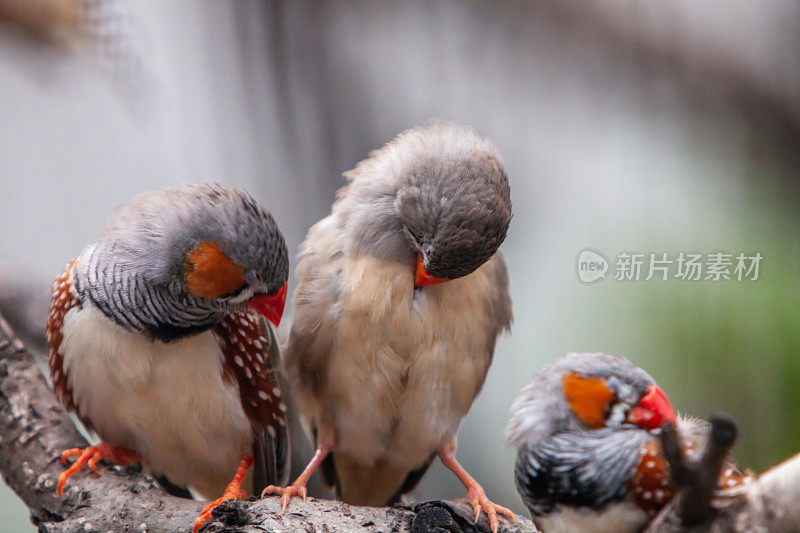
x=161, y=309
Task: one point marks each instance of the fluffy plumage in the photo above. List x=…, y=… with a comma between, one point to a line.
x=186, y=382
x=540, y=409
x=381, y=370
x=610, y=478
x=135, y=271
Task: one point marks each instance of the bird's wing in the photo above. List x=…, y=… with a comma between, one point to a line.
x=500, y=307
x=313, y=327
x=64, y=299
x=271, y=455
x=315, y=311
x=251, y=358
x=578, y=468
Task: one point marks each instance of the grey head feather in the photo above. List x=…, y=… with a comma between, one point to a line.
x=439, y=189
x=541, y=409
x=134, y=271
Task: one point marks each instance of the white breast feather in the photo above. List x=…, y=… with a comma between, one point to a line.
x=166, y=401
x=623, y=517
x=405, y=371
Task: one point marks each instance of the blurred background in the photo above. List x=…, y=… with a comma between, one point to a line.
x=646, y=127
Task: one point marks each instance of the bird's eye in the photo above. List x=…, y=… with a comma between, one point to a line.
x=617, y=414
x=235, y=294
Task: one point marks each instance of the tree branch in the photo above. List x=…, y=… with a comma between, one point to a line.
x=768, y=503
x=34, y=430
x=696, y=481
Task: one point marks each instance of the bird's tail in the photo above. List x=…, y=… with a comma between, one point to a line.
x=375, y=485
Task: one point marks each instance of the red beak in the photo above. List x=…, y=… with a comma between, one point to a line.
x=653, y=410
x=270, y=305
x=423, y=278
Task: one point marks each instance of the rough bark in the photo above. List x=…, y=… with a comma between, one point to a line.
x=34, y=430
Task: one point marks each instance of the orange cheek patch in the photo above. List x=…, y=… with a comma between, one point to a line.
x=210, y=273
x=588, y=398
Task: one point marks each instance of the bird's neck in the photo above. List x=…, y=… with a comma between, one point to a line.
x=159, y=310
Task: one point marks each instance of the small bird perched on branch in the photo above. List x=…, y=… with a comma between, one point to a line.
x=589, y=458
x=156, y=345
x=402, y=294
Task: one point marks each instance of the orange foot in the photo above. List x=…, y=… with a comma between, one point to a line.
x=91, y=455
x=477, y=498
x=234, y=490
x=475, y=494
x=298, y=488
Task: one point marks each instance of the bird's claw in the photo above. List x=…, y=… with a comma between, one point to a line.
x=476, y=497
x=295, y=489
x=231, y=493
x=205, y=514
x=90, y=456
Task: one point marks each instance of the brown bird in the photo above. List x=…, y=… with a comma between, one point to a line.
x=156, y=346
x=402, y=294
x=589, y=459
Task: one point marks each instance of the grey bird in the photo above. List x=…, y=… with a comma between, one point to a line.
x=589, y=459
x=402, y=294
x=157, y=342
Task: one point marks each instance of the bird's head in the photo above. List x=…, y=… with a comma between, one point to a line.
x=174, y=261
x=610, y=398
x=588, y=391
x=454, y=201
x=250, y=267
x=211, y=274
